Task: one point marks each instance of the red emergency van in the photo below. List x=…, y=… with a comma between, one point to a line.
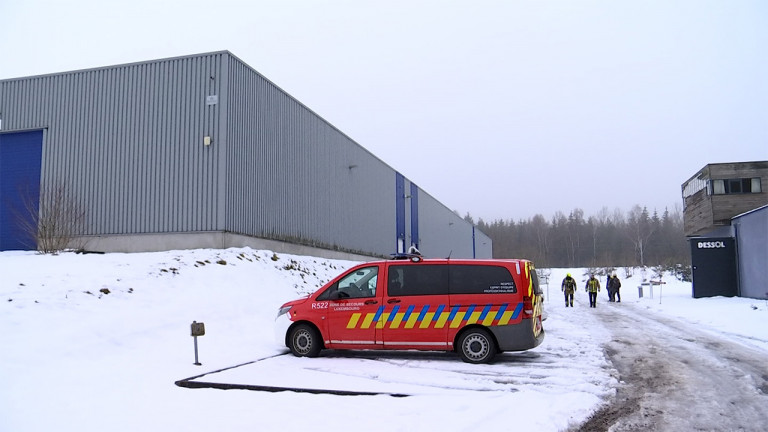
x=476, y=308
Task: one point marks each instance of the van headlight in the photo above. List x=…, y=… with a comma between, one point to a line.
x=283, y=310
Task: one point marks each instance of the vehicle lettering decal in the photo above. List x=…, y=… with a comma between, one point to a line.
x=489, y=316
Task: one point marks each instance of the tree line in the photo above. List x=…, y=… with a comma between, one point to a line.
x=608, y=239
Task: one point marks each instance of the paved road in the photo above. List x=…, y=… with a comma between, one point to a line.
x=676, y=377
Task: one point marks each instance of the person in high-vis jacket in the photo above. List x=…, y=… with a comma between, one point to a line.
x=593, y=287
x=568, y=287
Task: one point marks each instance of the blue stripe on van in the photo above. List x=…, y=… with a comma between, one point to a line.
x=485, y=312
x=454, y=311
x=439, y=311
x=378, y=313
x=393, y=313
x=424, y=311
x=469, y=311
x=518, y=309
x=501, y=311
x=408, y=313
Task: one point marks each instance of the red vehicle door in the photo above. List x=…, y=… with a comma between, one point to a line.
x=416, y=307
x=353, y=306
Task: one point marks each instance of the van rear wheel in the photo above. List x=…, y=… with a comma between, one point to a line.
x=476, y=346
x=304, y=341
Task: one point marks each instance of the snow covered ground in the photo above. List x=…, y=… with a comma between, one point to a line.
x=96, y=342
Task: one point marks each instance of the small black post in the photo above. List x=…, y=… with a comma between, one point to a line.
x=198, y=329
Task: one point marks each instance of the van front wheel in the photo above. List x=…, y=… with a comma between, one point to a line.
x=304, y=341
x=476, y=346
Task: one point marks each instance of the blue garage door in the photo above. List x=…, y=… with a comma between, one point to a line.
x=20, y=156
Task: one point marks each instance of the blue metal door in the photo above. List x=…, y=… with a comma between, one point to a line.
x=20, y=158
x=400, y=245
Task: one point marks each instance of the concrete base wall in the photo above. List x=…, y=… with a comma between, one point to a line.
x=204, y=240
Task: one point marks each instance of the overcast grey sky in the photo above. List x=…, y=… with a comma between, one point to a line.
x=500, y=109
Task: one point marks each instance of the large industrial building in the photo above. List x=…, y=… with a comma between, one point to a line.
x=202, y=151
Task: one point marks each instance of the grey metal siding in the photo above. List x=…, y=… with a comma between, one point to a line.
x=295, y=177
x=752, y=239
x=442, y=232
x=128, y=141
x=483, y=245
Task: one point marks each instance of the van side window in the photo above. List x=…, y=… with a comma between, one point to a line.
x=481, y=279
x=421, y=279
x=359, y=284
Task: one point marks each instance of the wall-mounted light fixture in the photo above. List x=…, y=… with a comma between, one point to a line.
x=352, y=166
x=207, y=140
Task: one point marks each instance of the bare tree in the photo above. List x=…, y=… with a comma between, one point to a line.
x=639, y=230
x=54, y=219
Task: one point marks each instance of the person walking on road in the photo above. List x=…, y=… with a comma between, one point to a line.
x=593, y=287
x=613, y=286
x=568, y=288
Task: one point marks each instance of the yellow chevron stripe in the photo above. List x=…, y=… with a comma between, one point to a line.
x=411, y=320
x=382, y=320
x=430, y=318
x=457, y=319
x=530, y=279
x=397, y=320
x=489, y=318
x=442, y=319
x=367, y=320
x=505, y=317
x=353, y=320
x=473, y=318
x=427, y=320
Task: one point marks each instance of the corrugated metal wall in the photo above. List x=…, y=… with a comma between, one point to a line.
x=751, y=234
x=293, y=176
x=442, y=232
x=129, y=140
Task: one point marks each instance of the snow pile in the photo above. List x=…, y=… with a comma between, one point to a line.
x=96, y=342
